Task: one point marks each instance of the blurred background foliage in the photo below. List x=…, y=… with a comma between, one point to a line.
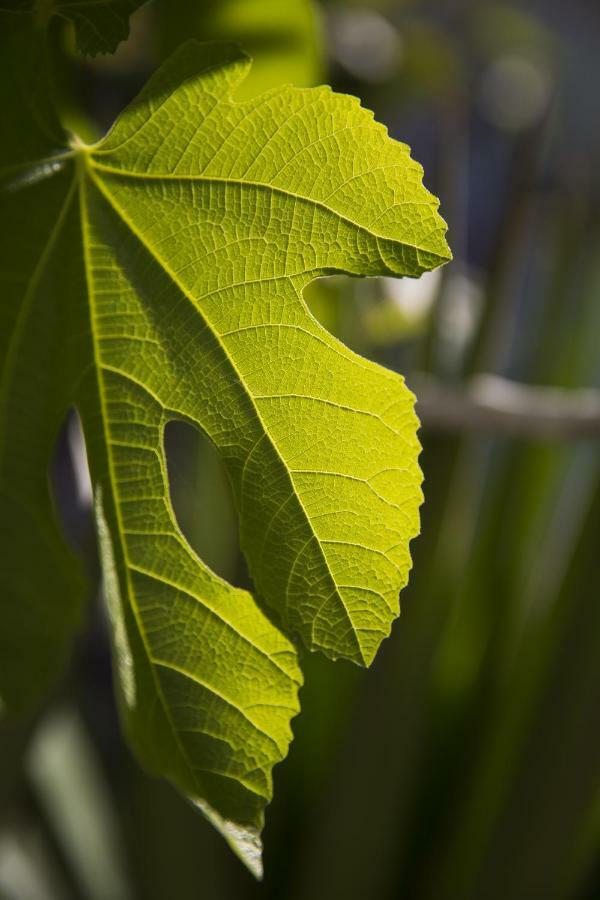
x=465, y=765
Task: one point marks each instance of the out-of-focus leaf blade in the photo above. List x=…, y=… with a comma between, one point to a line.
x=100, y=25
x=41, y=584
x=283, y=39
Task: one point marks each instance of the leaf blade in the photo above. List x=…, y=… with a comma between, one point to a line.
x=206, y=187
x=194, y=244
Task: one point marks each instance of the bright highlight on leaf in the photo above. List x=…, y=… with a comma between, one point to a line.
x=158, y=275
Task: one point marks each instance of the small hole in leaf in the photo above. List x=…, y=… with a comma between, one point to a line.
x=202, y=501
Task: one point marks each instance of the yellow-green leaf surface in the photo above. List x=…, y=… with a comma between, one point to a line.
x=163, y=280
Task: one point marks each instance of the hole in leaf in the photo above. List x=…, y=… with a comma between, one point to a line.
x=202, y=501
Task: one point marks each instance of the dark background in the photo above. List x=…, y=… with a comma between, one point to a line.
x=465, y=764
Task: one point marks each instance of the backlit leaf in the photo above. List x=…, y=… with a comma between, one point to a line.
x=163, y=280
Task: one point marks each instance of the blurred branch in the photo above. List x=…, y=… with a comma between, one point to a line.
x=493, y=404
